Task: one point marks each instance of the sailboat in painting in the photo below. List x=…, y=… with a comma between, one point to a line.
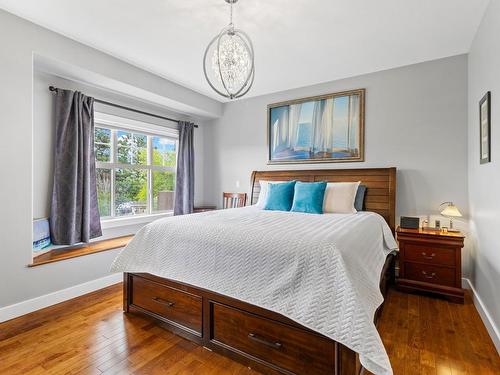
x=327, y=128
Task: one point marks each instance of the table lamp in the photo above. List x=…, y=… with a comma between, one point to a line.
x=450, y=211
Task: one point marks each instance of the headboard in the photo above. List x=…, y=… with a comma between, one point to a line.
x=380, y=182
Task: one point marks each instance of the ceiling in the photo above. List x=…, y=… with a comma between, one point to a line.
x=297, y=43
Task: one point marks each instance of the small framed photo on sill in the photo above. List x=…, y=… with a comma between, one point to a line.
x=485, y=128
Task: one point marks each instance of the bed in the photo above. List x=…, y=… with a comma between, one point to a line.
x=257, y=286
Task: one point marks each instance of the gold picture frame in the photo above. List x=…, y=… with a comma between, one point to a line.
x=327, y=128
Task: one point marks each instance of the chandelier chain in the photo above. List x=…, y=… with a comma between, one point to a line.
x=231, y=14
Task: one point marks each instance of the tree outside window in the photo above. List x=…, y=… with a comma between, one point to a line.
x=135, y=172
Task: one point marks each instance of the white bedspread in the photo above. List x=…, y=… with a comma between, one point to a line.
x=321, y=271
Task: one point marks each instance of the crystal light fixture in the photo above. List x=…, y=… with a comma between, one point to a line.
x=231, y=55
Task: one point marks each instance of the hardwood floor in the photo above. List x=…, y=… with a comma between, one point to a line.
x=426, y=335
x=91, y=335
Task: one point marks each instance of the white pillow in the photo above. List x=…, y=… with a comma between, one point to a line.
x=339, y=197
x=264, y=187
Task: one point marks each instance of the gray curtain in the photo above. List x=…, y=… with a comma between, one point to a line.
x=184, y=185
x=74, y=213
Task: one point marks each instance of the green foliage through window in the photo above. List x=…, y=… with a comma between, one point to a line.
x=103, y=180
x=125, y=172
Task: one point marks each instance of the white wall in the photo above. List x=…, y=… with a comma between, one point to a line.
x=484, y=180
x=21, y=41
x=415, y=120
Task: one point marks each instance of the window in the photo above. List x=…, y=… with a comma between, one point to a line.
x=135, y=171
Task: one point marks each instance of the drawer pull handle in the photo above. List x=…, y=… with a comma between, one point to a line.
x=261, y=340
x=428, y=257
x=163, y=302
x=431, y=276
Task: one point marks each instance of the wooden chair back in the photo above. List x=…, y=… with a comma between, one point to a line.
x=234, y=200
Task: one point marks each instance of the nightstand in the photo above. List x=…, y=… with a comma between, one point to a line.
x=430, y=261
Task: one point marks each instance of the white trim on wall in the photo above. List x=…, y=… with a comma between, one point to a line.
x=26, y=307
x=488, y=321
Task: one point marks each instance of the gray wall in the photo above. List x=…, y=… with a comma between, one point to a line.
x=416, y=120
x=484, y=180
x=20, y=41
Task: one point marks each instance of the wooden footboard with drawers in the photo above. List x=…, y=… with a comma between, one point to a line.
x=259, y=338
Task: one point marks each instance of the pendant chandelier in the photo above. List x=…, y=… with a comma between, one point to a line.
x=231, y=58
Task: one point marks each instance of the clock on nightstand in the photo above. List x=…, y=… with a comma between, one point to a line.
x=430, y=261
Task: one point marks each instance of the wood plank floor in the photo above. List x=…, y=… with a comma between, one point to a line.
x=91, y=335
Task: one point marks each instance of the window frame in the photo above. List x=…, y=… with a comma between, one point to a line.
x=116, y=124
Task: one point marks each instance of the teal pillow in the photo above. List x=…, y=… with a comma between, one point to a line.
x=280, y=196
x=308, y=197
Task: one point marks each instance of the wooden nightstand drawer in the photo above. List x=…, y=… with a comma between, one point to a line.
x=426, y=253
x=430, y=274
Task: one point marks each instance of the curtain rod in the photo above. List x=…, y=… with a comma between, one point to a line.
x=52, y=88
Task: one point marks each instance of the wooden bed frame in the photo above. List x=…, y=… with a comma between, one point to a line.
x=264, y=340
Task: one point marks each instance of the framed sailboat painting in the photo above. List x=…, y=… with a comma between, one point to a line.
x=327, y=128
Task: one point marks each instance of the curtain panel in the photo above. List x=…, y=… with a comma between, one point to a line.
x=184, y=186
x=74, y=214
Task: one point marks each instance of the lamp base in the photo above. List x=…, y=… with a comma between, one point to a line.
x=451, y=229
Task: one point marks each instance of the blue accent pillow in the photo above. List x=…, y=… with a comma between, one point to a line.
x=359, y=201
x=280, y=196
x=308, y=197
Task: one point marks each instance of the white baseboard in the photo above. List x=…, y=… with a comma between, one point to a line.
x=26, y=307
x=484, y=313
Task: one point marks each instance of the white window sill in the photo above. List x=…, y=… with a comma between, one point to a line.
x=133, y=220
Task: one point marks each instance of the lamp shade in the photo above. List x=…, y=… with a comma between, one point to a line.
x=451, y=210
